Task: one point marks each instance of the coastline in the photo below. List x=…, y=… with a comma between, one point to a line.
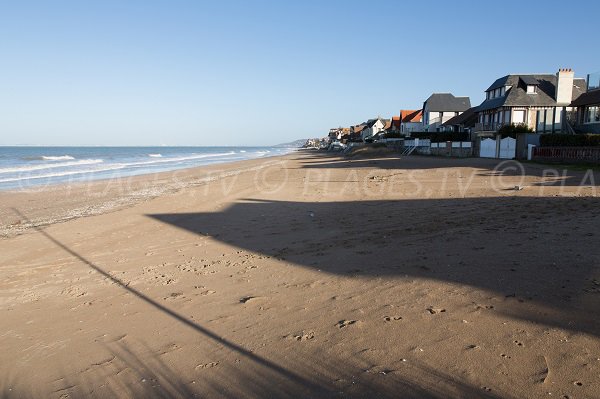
x=313, y=275
x=60, y=202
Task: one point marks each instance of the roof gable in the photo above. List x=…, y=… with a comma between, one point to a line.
x=447, y=102
x=411, y=115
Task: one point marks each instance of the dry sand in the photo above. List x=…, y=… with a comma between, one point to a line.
x=305, y=276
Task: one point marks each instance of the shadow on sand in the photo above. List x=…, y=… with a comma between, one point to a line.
x=257, y=377
x=539, y=254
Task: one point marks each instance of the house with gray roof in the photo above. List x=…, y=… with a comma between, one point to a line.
x=540, y=101
x=587, y=118
x=441, y=107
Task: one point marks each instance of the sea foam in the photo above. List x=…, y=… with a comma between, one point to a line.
x=30, y=168
x=56, y=158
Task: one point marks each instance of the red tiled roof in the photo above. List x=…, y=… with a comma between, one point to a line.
x=411, y=115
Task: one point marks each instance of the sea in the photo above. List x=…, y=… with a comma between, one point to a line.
x=31, y=167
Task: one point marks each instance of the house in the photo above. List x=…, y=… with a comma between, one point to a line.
x=335, y=133
x=373, y=126
x=395, y=124
x=461, y=123
x=355, y=132
x=440, y=107
x=539, y=101
x=587, y=117
x=411, y=121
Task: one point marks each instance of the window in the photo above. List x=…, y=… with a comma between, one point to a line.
x=593, y=81
x=592, y=114
x=519, y=116
x=530, y=89
x=487, y=95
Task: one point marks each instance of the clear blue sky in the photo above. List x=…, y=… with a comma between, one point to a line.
x=262, y=72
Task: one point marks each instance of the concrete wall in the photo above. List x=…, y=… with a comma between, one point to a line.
x=408, y=127
x=452, y=149
x=523, y=139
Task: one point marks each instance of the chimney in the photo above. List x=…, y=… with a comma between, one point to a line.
x=564, y=86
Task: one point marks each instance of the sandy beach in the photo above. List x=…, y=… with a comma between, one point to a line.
x=307, y=275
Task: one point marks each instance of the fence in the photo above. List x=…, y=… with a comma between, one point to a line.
x=567, y=154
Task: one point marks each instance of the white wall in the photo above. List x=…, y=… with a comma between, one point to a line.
x=436, y=118
x=408, y=127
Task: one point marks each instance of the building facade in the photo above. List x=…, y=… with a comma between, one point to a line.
x=587, y=118
x=541, y=102
x=441, y=107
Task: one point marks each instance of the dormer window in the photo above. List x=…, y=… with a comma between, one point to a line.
x=531, y=83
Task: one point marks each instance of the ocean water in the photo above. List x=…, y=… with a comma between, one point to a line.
x=29, y=167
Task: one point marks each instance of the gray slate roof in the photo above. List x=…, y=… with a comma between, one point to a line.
x=446, y=102
x=371, y=122
x=592, y=97
x=467, y=119
x=517, y=96
x=529, y=80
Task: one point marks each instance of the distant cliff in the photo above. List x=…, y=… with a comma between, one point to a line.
x=294, y=144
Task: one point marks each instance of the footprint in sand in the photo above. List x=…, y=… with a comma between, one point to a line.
x=433, y=310
x=302, y=336
x=173, y=295
x=392, y=318
x=247, y=299
x=345, y=323
x=206, y=365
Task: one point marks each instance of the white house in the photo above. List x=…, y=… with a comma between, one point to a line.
x=373, y=126
x=411, y=121
x=440, y=108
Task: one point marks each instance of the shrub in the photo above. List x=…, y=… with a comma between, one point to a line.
x=570, y=140
x=512, y=129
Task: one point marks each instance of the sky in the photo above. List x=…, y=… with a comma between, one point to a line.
x=262, y=72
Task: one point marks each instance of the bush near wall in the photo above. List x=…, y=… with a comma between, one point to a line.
x=440, y=137
x=570, y=140
x=512, y=129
